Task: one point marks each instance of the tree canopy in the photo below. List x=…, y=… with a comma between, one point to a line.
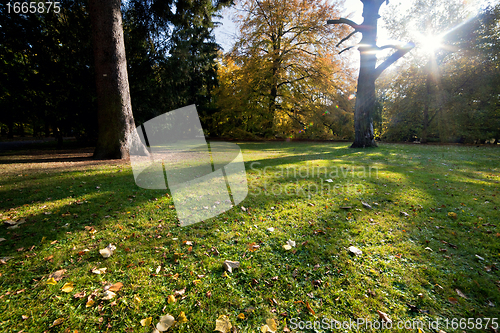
x=283, y=77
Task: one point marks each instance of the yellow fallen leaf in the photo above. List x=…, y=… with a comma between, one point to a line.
x=182, y=318
x=51, y=281
x=266, y=329
x=147, y=321
x=90, y=303
x=196, y=282
x=137, y=300
x=171, y=299
x=287, y=247
x=68, y=287
x=241, y=316
x=270, y=326
x=222, y=324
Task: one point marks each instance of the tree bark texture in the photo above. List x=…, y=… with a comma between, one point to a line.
x=365, y=97
x=116, y=131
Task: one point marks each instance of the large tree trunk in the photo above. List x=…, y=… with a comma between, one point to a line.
x=365, y=97
x=368, y=71
x=116, y=131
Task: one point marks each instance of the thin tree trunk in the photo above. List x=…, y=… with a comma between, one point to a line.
x=116, y=131
x=423, y=138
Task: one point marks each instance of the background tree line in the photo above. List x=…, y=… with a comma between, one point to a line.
x=283, y=78
x=47, y=84
x=451, y=94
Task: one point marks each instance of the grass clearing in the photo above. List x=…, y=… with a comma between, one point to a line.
x=443, y=198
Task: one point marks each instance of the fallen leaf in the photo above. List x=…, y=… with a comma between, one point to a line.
x=58, y=275
x=82, y=252
x=270, y=326
x=24, y=317
x=308, y=306
x=107, y=251
x=51, y=281
x=116, y=287
x=384, y=317
x=158, y=269
x=68, y=287
x=2, y=239
x=222, y=324
x=230, y=265
x=80, y=294
x=58, y=321
x=171, y=299
x=165, y=322
x=89, y=303
x=270, y=229
x=366, y=205
x=287, y=247
x=291, y=243
x=182, y=318
x=253, y=247
x=453, y=215
x=147, y=321
x=355, y=251
x=107, y=295
x=461, y=294
x=241, y=316
x=179, y=292
x=452, y=300
x=99, y=271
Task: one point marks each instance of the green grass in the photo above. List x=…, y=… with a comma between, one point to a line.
x=63, y=202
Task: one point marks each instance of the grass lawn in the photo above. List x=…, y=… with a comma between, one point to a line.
x=431, y=240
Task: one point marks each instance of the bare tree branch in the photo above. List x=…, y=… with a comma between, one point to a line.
x=349, y=36
x=345, y=21
x=393, y=58
x=347, y=49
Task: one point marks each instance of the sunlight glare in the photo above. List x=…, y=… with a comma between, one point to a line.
x=429, y=43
